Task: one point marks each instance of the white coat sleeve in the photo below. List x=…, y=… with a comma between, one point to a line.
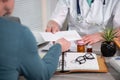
x=116, y=13
x=60, y=12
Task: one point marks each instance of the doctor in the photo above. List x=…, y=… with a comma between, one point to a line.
x=87, y=17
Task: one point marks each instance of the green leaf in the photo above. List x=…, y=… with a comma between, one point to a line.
x=109, y=34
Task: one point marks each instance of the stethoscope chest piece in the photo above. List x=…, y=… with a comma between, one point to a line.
x=79, y=18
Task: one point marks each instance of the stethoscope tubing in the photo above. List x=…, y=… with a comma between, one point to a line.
x=78, y=6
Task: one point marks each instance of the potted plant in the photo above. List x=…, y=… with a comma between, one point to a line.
x=108, y=47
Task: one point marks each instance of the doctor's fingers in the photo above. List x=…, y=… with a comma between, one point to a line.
x=52, y=26
x=90, y=41
x=87, y=41
x=86, y=38
x=118, y=33
x=52, y=29
x=48, y=29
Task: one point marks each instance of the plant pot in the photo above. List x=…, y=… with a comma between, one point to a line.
x=108, y=49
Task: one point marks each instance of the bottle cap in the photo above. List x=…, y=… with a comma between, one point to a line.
x=89, y=46
x=80, y=42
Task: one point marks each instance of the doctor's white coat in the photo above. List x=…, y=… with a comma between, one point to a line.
x=94, y=18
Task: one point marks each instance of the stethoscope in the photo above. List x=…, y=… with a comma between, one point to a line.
x=79, y=17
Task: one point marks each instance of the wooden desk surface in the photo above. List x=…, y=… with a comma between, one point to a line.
x=112, y=74
x=117, y=42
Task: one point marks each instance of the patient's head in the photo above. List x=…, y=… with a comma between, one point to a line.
x=6, y=7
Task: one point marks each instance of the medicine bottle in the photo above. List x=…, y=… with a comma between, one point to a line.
x=89, y=48
x=80, y=46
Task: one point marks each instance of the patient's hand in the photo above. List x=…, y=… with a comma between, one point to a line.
x=64, y=44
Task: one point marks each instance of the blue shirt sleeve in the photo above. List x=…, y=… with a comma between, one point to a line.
x=31, y=65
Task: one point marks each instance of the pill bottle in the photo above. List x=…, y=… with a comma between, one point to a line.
x=89, y=48
x=80, y=46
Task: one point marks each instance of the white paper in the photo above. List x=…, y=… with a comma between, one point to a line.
x=73, y=47
x=69, y=63
x=68, y=35
x=38, y=37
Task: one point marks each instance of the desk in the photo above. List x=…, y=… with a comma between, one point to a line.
x=111, y=75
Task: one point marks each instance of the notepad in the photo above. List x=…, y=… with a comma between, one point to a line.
x=71, y=64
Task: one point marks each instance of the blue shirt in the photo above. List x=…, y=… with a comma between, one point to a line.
x=19, y=55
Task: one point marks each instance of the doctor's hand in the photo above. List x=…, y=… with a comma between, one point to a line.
x=65, y=45
x=92, y=38
x=118, y=33
x=52, y=26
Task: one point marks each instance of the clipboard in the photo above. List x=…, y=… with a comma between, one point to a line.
x=101, y=63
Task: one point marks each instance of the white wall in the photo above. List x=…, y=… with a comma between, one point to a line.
x=48, y=7
x=34, y=13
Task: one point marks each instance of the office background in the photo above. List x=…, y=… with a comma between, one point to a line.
x=34, y=13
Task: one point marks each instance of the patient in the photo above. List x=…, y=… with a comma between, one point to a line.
x=18, y=50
